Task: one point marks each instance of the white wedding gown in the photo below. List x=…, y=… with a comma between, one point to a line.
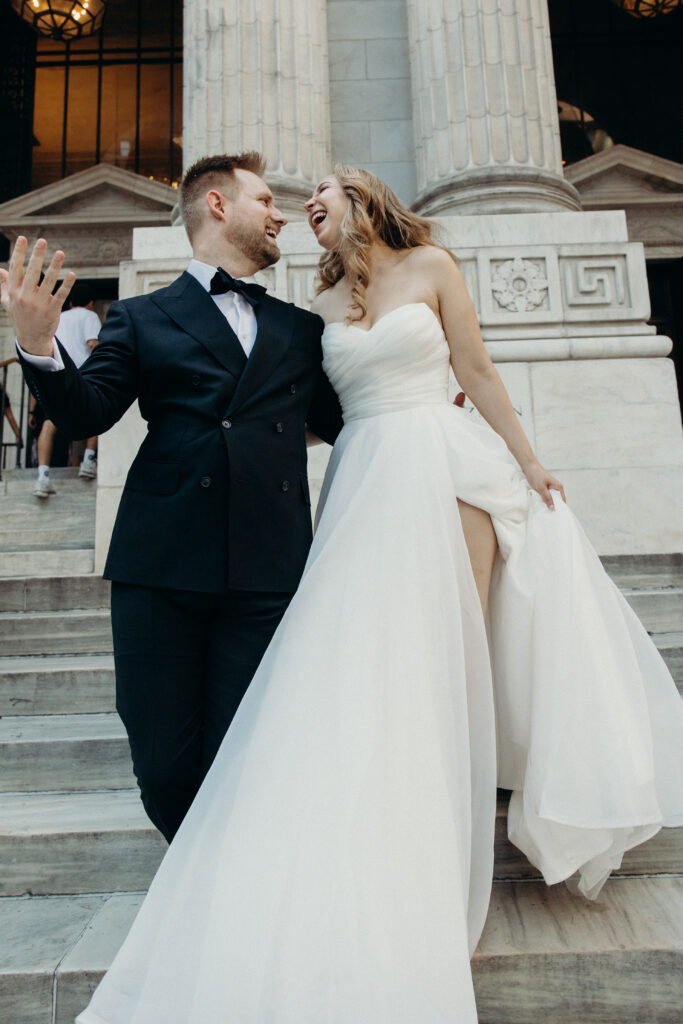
x=336, y=865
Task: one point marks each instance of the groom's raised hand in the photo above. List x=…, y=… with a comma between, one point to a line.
x=33, y=309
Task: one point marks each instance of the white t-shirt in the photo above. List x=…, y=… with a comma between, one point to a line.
x=76, y=328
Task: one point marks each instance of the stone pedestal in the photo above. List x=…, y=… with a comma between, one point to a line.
x=484, y=108
x=256, y=77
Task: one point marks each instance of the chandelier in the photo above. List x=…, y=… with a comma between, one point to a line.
x=647, y=8
x=62, y=19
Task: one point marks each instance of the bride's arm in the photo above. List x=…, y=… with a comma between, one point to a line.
x=476, y=373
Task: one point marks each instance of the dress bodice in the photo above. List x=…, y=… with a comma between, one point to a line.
x=400, y=363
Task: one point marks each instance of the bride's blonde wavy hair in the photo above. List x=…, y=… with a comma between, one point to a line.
x=374, y=212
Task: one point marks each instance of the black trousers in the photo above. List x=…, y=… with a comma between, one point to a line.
x=183, y=663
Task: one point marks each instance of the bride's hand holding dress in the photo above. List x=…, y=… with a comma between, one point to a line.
x=473, y=367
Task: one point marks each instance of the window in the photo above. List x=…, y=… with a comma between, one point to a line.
x=112, y=98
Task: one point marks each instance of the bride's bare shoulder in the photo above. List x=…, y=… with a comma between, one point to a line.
x=432, y=257
x=330, y=304
x=438, y=265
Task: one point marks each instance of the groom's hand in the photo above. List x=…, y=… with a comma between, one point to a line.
x=33, y=309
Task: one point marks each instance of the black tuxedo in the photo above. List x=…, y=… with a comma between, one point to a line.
x=217, y=496
x=214, y=524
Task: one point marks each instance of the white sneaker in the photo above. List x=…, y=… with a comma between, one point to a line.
x=88, y=469
x=43, y=488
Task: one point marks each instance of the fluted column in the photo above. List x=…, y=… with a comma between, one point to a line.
x=484, y=108
x=256, y=77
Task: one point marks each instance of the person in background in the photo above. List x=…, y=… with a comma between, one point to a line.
x=6, y=411
x=79, y=327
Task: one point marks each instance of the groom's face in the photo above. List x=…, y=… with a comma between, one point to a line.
x=253, y=221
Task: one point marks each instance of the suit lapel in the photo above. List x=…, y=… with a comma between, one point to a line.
x=193, y=309
x=275, y=322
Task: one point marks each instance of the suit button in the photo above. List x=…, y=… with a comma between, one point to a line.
x=205, y=481
x=292, y=389
x=279, y=427
x=227, y=424
x=285, y=485
x=196, y=380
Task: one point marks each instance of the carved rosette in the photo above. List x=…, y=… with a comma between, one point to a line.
x=519, y=285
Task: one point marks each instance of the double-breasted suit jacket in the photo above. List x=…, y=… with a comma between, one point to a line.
x=217, y=496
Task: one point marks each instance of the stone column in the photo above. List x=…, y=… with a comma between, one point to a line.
x=484, y=108
x=256, y=77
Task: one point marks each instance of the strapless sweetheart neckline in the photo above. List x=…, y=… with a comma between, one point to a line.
x=396, y=309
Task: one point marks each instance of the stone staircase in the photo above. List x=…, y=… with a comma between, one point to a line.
x=46, y=537
x=77, y=852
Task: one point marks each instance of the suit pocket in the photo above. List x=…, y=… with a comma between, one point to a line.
x=154, y=477
x=304, y=488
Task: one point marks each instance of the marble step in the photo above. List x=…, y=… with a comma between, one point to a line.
x=64, y=752
x=19, y=512
x=53, y=593
x=660, y=609
x=69, y=842
x=72, y=562
x=78, y=631
x=661, y=855
x=637, y=571
x=670, y=646
x=22, y=481
x=97, y=841
x=545, y=957
x=58, y=685
x=79, y=534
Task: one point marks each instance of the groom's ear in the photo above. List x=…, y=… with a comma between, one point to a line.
x=216, y=203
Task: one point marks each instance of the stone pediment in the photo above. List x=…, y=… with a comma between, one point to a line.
x=101, y=194
x=91, y=216
x=623, y=176
x=647, y=187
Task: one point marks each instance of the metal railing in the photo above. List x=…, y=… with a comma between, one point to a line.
x=18, y=443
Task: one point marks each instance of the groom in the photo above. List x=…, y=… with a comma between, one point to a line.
x=214, y=524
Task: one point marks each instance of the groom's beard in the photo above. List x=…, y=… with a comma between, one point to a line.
x=254, y=243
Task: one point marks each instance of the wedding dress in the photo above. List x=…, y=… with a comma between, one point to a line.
x=336, y=865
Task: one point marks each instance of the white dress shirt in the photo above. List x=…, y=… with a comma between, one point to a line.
x=237, y=311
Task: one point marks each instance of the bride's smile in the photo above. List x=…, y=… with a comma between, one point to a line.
x=326, y=209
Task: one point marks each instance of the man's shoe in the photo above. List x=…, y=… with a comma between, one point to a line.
x=88, y=469
x=43, y=488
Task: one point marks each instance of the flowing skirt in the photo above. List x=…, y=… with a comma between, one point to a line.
x=336, y=865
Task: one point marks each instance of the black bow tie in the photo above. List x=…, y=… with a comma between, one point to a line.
x=222, y=282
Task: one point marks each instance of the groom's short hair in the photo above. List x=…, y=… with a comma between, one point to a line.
x=214, y=172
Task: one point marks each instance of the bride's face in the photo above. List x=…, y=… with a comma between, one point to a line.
x=325, y=209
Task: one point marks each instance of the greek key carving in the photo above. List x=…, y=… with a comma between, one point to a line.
x=596, y=282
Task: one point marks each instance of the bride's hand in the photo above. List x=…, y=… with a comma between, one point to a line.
x=542, y=481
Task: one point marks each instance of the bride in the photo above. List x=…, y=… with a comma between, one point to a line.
x=336, y=865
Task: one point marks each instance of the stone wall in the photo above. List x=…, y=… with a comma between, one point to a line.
x=370, y=91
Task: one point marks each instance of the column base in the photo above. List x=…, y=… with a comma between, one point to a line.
x=499, y=190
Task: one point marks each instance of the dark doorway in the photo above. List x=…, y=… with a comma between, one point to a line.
x=624, y=76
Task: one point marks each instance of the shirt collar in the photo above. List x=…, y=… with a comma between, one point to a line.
x=203, y=272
